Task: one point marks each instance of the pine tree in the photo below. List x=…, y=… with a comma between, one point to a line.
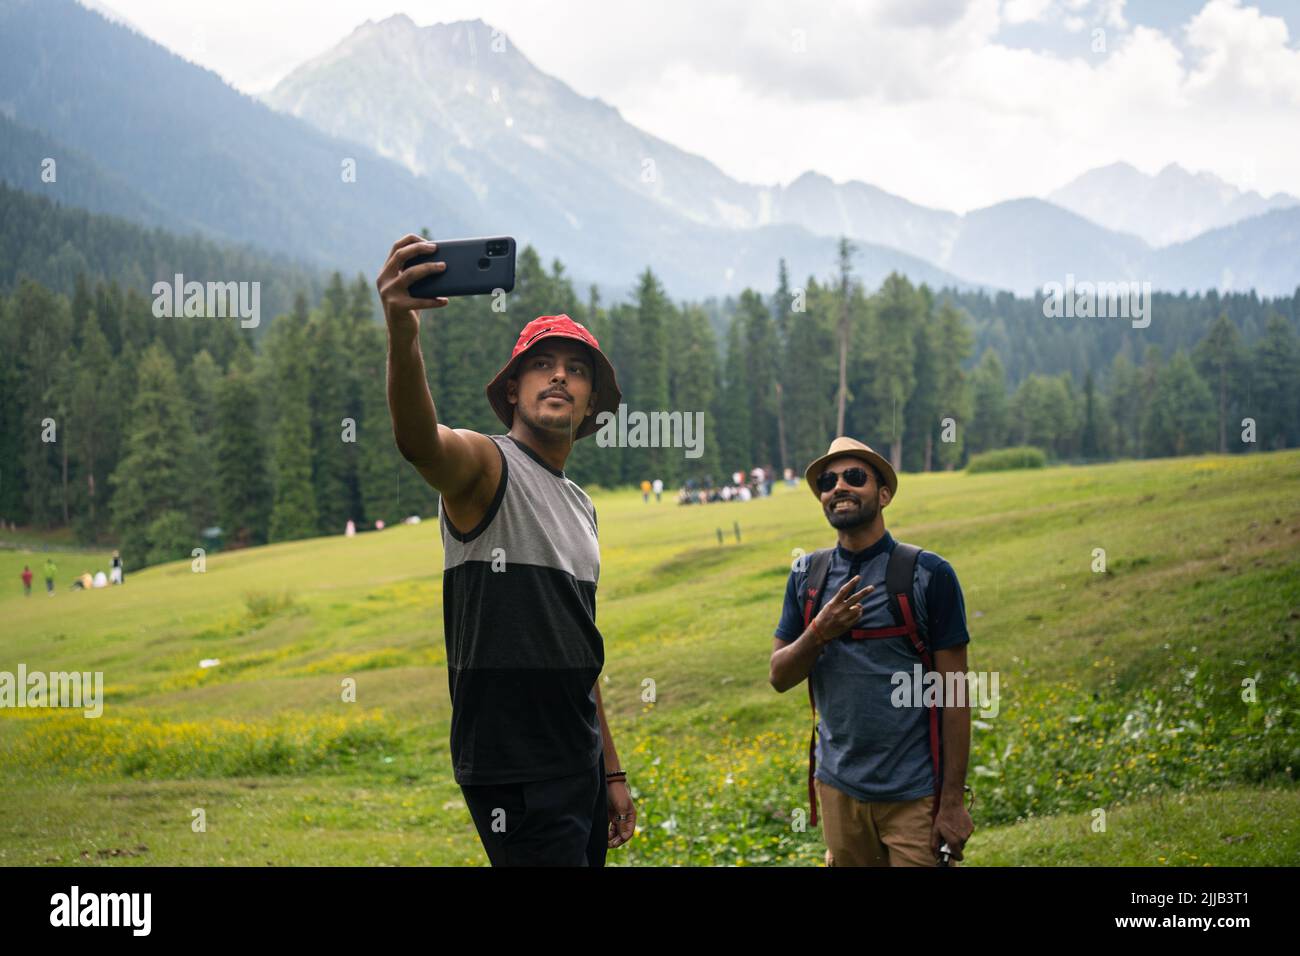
x=150, y=483
x=809, y=391
x=242, y=480
x=693, y=385
x=94, y=427
x=989, y=422
x=898, y=311
x=293, y=513
x=382, y=467
x=846, y=250
x=761, y=360
x=1221, y=361
x=1277, y=388
x=334, y=458
x=1124, y=399
x=654, y=316
x=782, y=304
x=44, y=322
x=733, y=408
x=1090, y=439
x=922, y=412
x=13, y=409
x=200, y=385
x=952, y=343
x=1181, y=415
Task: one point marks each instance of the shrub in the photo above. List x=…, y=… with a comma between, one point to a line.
x=1006, y=459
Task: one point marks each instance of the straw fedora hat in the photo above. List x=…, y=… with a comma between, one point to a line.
x=851, y=446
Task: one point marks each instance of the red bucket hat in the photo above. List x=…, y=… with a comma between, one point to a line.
x=543, y=327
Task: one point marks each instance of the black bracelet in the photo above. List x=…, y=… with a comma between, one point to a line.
x=616, y=773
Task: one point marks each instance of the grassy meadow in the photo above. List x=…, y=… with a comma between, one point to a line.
x=1121, y=691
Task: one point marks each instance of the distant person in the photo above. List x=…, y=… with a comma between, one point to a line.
x=101, y=579
x=350, y=530
x=50, y=570
x=659, y=490
x=645, y=490
x=891, y=779
x=84, y=582
x=530, y=745
x=116, y=574
x=27, y=581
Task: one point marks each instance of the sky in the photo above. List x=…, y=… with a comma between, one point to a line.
x=955, y=104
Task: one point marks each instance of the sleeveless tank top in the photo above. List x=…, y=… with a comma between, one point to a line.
x=519, y=617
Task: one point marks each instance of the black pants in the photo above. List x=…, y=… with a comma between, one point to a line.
x=558, y=822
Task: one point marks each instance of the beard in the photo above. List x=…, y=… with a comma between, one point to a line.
x=560, y=420
x=862, y=512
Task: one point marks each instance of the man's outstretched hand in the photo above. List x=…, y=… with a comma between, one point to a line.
x=394, y=282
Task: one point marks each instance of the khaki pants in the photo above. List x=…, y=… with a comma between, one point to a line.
x=884, y=833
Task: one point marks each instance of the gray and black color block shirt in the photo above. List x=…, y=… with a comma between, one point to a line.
x=519, y=612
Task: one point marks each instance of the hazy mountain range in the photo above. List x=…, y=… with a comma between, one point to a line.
x=477, y=115
x=452, y=131
x=1172, y=206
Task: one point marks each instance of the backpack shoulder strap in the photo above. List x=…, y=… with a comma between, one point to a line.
x=818, y=566
x=899, y=575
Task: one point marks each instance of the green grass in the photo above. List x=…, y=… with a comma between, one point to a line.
x=1120, y=691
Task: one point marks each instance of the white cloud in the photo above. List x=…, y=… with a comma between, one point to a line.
x=919, y=97
x=1025, y=11
x=1244, y=57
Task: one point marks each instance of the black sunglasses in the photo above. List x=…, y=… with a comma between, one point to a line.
x=854, y=477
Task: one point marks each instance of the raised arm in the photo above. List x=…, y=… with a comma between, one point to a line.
x=461, y=464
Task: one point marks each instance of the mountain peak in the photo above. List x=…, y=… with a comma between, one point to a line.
x=398, y=21
x=1171, y=206
x=1120, y=167
x=811, y=177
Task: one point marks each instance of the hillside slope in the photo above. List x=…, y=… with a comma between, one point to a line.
x=1115, y=688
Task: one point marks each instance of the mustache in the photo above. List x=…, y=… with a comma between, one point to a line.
x=557, y=393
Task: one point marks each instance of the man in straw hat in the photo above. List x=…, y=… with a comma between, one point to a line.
x=529, y=741
x=861, y=621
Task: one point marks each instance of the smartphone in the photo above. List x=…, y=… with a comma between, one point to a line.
x=474, y=267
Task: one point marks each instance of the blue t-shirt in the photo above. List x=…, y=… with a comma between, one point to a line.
x=867, y=747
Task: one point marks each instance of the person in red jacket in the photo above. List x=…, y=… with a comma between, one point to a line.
x=27, y=581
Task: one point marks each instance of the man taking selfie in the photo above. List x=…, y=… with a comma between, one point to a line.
x=857, y=620
x=529, y=741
